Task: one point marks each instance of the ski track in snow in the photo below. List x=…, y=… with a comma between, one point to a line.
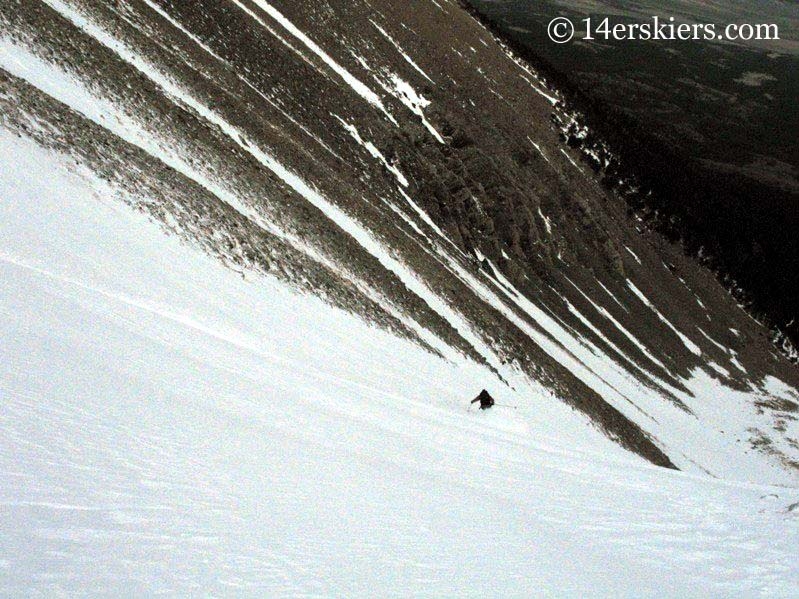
x=169, y=427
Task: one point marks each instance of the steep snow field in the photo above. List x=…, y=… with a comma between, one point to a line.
x=381, y=219
x=170, y=425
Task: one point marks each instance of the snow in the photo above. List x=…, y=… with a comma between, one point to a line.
x=353, y=82
x=41, y=73
x=402, y=52
x=529, y=74
x=735, y=362
x=170, y=426
x=633, y=254
x=603, y=311
x=580, y=356
x=629, y=363
x=62, y=87
x=719, y=369
x=422, y=214
x=700, y=432
x=540, y=151
x=241, y=78
x=274, y=104
x=726, y=350
x=414, y=101
x=20, y=62
x=547, y=221
x=690, y=345
x=405, y=218
x=279, y=37
x=161, y=12
x=573, y=163
x=613, y=297
x=372, y=149
x=403, y=91
x=778, y=388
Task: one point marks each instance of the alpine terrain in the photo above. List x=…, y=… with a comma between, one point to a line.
x=259, y=256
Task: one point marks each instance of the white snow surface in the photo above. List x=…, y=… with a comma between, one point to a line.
x=171, y=426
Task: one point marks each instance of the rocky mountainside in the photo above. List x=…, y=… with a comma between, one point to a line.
x=705, y=130
x=400, y=163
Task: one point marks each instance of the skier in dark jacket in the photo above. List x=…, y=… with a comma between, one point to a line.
x=486, y=401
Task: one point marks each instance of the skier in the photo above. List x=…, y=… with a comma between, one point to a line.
x=486, y=401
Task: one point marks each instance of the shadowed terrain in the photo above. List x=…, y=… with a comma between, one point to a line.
x=708, y=127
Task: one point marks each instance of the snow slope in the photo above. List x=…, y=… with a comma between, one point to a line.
x=261, y=134
x=171, y=425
